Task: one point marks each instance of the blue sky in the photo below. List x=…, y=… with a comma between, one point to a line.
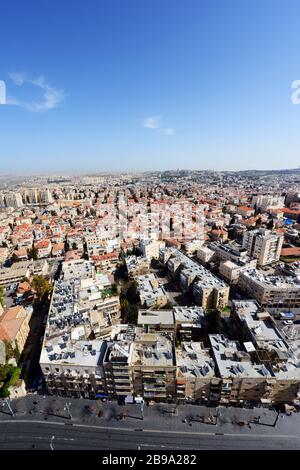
x=149, y=84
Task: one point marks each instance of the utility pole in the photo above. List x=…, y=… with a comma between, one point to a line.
x=7, y=403
x=67, y=408
x=175, y=409
x=51, y=443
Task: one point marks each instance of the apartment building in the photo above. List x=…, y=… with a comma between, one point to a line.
x=267, y=201
x=13, y=199
x=240, y=378
x=154, y=366
x=189, y=322
x=74, y=371
x=150, y=248
x=272, y=291
x=79, y=322
x=43, y=248
x=137, y=265
x=205, y=255
x=40, y=267
x=4, y=255
x=150, y=291
x=80, y=268
x=75, y=241
x=229, y=252
x=279, y=353
x=157, y=320
x=245, y=211
x=195, y=373
x=207, y=290
x=15, y=272
x=230, y=271
x=14, y=326
x=117, y=364
x=106, y=263
x=263, y=245
x=211, y=292
x=45, y=196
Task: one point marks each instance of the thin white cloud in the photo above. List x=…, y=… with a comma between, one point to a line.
x=52, y=97
x=17, y=78
x=154, y=123
x=167, y=130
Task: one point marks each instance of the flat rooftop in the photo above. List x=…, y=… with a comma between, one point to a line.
x=155, y=317
x=153, y=350
x=82, y=353
x=233, y=362
x=73, y=315
x=194, y=361
x=279, y=282
x=189, y=314
x=259, y=322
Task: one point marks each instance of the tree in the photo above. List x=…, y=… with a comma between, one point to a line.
x=257, y=210
x=1, y=296
x=130, y=312
x=33, y=253
x=270, y=224
x=258, y=222
x=122, y=256
x=132, y=293
x=214, y=322
x=41, y=286
x=14, y=258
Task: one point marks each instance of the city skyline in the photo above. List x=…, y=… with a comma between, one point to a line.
x=131, y=87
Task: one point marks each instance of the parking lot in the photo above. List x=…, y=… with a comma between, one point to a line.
x=8, y=291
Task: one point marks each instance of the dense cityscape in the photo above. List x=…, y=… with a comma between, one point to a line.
x=149, y=232
x=207, y=317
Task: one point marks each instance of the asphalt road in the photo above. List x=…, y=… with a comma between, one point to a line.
x=20, y=434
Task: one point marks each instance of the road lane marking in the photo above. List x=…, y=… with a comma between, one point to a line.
x=200, y=433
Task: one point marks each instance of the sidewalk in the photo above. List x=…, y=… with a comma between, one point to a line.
x=187, y=418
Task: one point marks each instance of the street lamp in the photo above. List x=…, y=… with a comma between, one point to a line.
x=67, y=408
x=51, y=442
x=7, y=403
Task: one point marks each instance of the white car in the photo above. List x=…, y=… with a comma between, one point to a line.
x=288, y=322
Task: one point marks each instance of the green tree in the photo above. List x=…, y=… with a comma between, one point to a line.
x=41, y=286
x=33, y=253
x=14, y=258
x=1, y=296
x=214, y=322
x=122, y=256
